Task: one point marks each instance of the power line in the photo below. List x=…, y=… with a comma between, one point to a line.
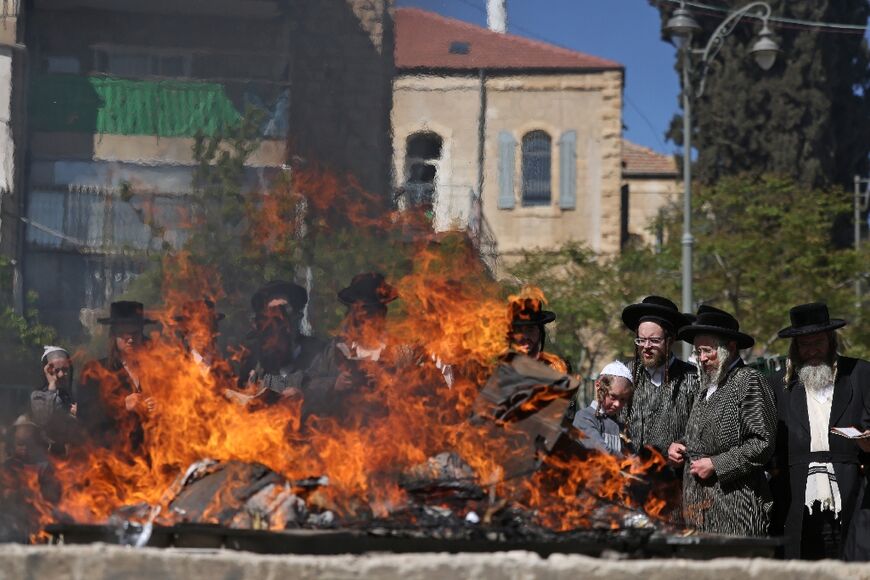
x=536, y=36
x=793, y=23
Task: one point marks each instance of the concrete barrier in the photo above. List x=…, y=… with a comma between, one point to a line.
x=102, y=562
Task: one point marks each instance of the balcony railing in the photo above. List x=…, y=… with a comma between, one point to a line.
x=164, y=108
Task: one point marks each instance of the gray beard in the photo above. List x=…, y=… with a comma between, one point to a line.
x=712, y=378
x=816, y=377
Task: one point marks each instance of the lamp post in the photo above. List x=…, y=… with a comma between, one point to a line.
x=682, y=27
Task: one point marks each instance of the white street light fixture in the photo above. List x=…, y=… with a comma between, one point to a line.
x=765, y=49
x=682, y=27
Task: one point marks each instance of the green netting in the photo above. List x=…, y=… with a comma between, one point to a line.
x=129, y=107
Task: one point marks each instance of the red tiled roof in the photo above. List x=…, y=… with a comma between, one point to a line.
x=424, y=39
x=640, y=160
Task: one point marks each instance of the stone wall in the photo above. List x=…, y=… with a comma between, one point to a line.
x=342, y=78
x=449, y=107
x=647, y=197
x=97, y=562
x=589, y=104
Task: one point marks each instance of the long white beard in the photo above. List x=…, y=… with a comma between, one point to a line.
x=816, y=377
x=712, y=378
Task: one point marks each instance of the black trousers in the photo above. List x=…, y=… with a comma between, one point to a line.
x=821, y=535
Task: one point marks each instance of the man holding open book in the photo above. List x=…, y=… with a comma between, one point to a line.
x=823, y=422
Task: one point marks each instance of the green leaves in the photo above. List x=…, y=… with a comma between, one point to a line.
x=762, y=245
x=807, y=118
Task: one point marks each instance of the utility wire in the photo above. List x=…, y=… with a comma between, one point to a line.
x=793, y=23
x=536, y=36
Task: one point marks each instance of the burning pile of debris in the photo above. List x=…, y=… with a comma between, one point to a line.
x=520, y=413
x=423, y=425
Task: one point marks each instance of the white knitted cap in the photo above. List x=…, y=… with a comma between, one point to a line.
x=49, y=350
x=617, y=369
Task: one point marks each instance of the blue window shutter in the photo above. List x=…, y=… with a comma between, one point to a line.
x=568, y=170
x=506, y=169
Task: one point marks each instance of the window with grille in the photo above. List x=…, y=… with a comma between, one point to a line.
x=537, y=173
x=421, y=167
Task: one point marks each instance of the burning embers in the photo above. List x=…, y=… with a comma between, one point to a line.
x=413, y=416
x=512, y=465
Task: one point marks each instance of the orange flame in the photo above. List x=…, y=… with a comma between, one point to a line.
x=439, y=350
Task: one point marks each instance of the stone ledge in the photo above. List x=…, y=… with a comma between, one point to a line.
x=98, y=562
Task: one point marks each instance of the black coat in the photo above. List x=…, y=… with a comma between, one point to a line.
x=100, y=393
x=849, y=408
x=735, y=428
x=658, y=416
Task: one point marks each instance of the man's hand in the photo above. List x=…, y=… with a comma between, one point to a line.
x=73, y=409
x=676, y=452
x=132, y=401
x=702, y=468
x=50, y=376
x=864, y=444
x=150, y=405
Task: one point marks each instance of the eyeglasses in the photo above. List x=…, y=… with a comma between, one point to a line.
x=652, y=340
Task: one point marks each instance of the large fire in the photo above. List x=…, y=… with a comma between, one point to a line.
x=450, y=313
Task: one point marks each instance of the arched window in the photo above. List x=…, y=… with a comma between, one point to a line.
x=422, y=154
x=536, y=168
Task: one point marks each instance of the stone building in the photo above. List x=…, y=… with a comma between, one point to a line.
x=520, y=138
x=650, y=183
x=104, y=97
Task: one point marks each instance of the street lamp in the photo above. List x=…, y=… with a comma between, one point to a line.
x=681, y=27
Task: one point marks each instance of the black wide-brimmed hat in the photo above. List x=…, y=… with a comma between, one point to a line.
x=528, y=312
x=296, y=295
x=126, y=312
x=810, y=319
x=715, y=322
x=655, y=309
x=190, y=309
x=368, y=289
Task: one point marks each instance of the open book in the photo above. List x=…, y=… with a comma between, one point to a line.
x=850, y=433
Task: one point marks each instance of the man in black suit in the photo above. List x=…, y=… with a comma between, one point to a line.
x=823, y=486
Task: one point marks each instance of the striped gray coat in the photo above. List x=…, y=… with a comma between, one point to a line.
x=736, y=428
x=658, y=415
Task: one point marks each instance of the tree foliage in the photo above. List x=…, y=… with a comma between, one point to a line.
x=762, y=246
x=807, y=118
x=588, y=293
x=21, y=335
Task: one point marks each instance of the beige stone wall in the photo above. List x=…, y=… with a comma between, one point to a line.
x=98, y=562
x=142, y=149
x=450, y=107
x=589, y=104
x=647, y=197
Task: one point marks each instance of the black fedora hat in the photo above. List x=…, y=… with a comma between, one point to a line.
x=296, y=295
x=654, y=309
x=190, y=309
x=713, y=321
x=810, y=319
x=126, y=312
x=368, y=289
x=531, y=315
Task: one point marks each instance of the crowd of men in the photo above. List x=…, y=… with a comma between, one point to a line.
x=754, y=455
